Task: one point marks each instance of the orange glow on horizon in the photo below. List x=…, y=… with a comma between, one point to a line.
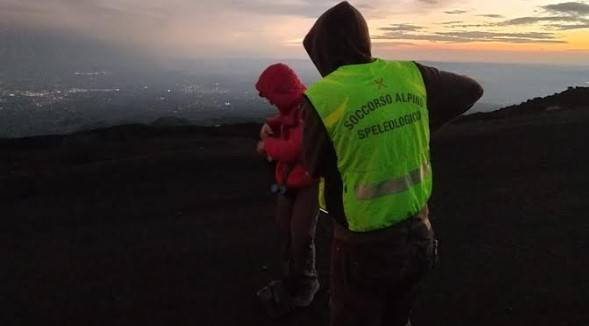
x=483, y=46
x=578, y=40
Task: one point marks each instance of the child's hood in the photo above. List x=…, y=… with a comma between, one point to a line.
x=280, y=84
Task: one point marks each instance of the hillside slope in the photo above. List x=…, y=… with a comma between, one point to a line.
x=173, y=226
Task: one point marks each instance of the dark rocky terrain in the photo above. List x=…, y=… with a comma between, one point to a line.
x=574, y=98
x=145, y=225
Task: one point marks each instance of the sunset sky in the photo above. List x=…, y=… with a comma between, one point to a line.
x=536, y=31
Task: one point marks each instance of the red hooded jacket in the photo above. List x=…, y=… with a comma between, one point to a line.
x=281, y=86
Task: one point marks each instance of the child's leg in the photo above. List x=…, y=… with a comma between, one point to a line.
x=303, y=224
x=276, y=296
x=284, y=207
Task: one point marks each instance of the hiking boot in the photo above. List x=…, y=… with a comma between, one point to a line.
x=305, y=295
x=275, y=299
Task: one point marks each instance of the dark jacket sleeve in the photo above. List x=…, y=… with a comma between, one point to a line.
x=317, y=152
x=449, y=95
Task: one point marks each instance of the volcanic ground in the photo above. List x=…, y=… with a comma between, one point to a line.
x=137, y=225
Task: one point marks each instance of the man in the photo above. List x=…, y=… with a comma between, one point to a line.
x=367, y=127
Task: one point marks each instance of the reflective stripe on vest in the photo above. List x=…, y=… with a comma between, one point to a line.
x=395, y=185
x=321, y=195
x=377, y=119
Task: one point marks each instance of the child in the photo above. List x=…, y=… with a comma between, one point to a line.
x=297, y=207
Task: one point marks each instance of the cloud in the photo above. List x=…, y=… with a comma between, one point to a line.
x=306, y=8
x=473, y=36
x=569, y=8
x=494, y=35
x=402, y=28
x=565, y=16
x=365, y=6
x=566, y=27
x=452, y=22
x=491, y=16
x=535, y=20
x=172, y=27
x=303, y=8
x=392, y=44
x=61, y=12
x=562, y=22
x=470, y=25
x=134, y=8
x=455, y=12
x=10, y=8
x=199, y=28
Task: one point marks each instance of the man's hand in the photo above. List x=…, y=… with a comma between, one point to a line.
x=266, y=132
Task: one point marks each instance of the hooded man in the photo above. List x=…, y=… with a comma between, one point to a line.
x=367, y=127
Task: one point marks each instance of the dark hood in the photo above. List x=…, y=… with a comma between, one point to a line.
x=339, y=37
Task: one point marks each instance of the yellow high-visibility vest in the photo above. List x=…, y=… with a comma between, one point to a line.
x=376, y=116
